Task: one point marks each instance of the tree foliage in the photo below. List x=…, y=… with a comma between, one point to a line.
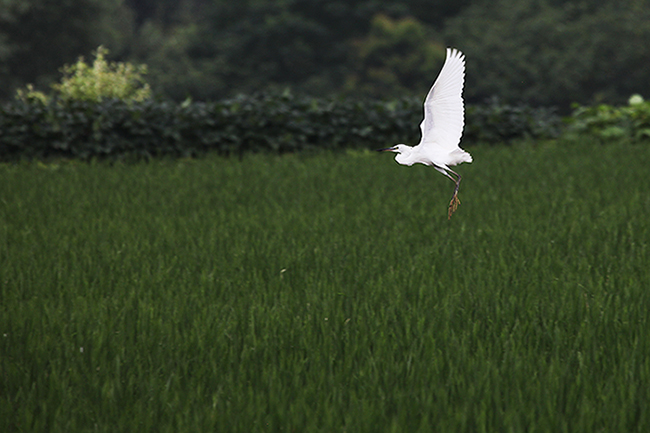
x=546, y=52
x=555, y=52
x=397, y=57
x=38, y=36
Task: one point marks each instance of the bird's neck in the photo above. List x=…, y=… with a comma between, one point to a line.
x=406, y=156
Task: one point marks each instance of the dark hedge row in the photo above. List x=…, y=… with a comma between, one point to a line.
x=263, y=122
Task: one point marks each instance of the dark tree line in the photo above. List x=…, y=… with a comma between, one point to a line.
x=546, y=52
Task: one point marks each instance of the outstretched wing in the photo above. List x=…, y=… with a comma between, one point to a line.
x=444, y=113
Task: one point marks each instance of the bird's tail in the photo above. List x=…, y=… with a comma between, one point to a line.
x=459, y=155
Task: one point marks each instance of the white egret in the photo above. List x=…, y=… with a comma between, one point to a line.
x=442, y=126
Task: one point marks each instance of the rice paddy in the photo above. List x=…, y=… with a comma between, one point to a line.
x=328, y=292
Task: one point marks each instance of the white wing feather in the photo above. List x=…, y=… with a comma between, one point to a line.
x=444, y=113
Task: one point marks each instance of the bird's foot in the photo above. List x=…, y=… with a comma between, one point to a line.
x=453, y=205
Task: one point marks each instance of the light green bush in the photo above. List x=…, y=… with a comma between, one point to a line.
x=102, y=79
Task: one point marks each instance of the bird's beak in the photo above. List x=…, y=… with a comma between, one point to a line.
x=386, y=149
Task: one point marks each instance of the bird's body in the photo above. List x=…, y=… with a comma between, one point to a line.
x=442, y=126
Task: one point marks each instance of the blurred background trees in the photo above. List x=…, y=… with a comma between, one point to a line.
x=540, y=52
x=37, y=37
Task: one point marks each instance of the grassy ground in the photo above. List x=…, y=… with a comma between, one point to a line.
x=328, y=293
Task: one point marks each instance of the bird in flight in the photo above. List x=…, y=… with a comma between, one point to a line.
x=442, y=126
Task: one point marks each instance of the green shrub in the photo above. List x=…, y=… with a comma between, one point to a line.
x=605, y=122
x=494, y=122
x=101, y=80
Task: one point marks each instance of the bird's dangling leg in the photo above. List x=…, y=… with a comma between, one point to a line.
x=453, y=204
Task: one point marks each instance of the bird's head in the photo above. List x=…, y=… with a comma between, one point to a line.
x=404, y=153
x=398, y=148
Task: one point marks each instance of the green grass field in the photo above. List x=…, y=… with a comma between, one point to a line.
x=328, y=292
